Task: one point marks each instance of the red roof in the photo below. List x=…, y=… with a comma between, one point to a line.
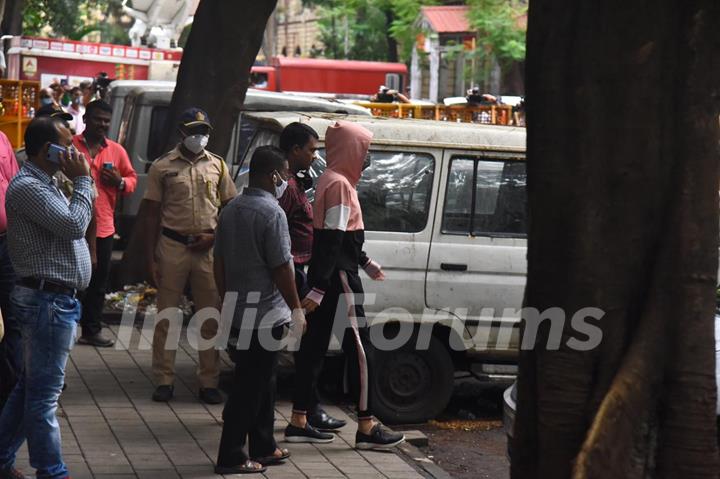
x=447, y=19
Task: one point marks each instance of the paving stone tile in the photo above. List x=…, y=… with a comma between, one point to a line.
x=112, y=429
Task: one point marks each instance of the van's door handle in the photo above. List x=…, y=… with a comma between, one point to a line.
x=453, y=267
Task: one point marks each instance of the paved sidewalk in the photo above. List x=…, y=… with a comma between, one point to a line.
x=112, y=429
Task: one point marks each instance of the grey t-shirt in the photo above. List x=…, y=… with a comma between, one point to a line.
x=252, y=239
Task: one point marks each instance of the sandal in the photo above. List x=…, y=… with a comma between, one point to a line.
x=247, y=467
x=272, y=459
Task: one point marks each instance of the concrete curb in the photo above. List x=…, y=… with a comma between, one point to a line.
x=417, y=458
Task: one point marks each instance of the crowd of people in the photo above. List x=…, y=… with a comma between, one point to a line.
x=291, y=267
x=71, y=99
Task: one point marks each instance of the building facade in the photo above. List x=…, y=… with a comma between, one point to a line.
x=292, y=30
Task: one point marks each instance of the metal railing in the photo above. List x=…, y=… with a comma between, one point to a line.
x=483, y=114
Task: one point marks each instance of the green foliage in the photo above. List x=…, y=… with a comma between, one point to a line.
x=354, y=29
x=404, y=29
x=499, y=34
x=74, y=19
x=369, y=25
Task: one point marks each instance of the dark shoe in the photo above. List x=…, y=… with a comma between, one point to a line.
x=322, y=421
x=247, y=467
x=272, y=460
x=97, y=340
x=309, y=434
x=379, y=438
x=163, y=393
x=12, y=473
x=211, y=396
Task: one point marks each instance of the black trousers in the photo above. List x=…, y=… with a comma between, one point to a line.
x=350, y=324
x=94, y=297
x=250, y=410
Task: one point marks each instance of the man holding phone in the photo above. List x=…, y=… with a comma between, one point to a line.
x=114, y=176
x=48, y=250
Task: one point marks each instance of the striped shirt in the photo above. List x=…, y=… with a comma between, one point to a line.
x=46, y=232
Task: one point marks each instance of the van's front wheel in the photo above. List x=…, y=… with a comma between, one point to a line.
x=410, y=386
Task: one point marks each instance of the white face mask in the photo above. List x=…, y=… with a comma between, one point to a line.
x=280, y=189
x=196, y=143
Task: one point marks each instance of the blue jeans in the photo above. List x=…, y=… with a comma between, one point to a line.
x=48, y=322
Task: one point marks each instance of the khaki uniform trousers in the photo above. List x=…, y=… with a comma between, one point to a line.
x=175, y=264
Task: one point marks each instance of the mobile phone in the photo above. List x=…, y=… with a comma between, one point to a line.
x=55, y=153
x=108, y=165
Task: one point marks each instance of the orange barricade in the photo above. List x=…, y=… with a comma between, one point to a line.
x=485, y=114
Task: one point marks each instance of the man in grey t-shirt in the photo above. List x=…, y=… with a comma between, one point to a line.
x=253, y=260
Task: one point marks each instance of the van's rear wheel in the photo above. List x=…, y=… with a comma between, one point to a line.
x=410, y=386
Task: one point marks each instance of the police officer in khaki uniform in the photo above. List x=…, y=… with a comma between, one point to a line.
x=186, y=189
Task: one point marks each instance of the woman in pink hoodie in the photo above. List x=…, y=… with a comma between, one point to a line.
x=338, y=236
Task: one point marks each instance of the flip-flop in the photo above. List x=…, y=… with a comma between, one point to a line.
x=247, y=467
x=272, y=459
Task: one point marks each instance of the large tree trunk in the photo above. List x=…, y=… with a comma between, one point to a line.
x=223, y=43
x=224, y=40
x=622, y=108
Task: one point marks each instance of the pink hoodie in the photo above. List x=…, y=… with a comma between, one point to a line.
x=336, y=205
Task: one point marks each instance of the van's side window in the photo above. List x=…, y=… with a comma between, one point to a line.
x=394, y=192
x=156, y=137
x=485, y=197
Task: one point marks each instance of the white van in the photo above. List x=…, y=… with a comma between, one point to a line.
x=444, y=207
x=140, y=111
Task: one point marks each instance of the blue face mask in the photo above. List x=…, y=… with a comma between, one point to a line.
x=46, y=101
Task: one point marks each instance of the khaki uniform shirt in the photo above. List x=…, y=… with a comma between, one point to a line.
x=190, y=192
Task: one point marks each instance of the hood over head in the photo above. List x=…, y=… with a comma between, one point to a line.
x=346, y=146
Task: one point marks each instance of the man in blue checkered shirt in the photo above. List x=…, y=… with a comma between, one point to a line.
x=46, y=241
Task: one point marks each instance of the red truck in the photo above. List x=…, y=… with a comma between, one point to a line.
x=311, y=75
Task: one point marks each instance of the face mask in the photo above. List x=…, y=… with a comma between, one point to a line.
x=196, y=143
x=76, y=101
x=46, y=101
x=280, y=189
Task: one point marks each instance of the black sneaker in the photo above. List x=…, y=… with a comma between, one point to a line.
x=12, y=473
x=163, y=393
x=98, y=340
x=379, y=438
x=322, y=421
x=309, y=434
x=211, y=396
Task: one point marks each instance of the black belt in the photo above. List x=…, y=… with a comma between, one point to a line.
x=49, y=286
x=180, y=238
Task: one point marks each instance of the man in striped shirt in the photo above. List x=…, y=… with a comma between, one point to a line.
x=48, y=250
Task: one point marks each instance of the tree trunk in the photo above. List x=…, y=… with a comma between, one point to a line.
x=215, y=69
x=622, y=108
x=392, y=53
x=12, y=17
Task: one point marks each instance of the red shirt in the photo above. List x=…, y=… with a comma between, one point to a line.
x=8, y=168
x=110, y=152
x=299, y=214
